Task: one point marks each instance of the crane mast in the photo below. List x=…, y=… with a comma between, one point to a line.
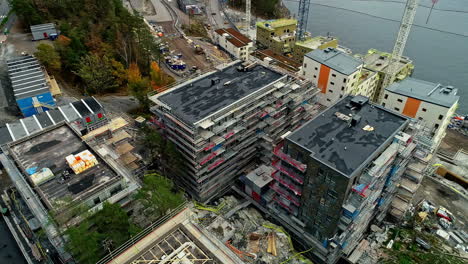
x=302, y=17
x=248, y=7
x=403, y=33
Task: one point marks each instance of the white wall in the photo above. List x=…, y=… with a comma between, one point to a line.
x=427, y=111
x=338, y=85
x=241, y=53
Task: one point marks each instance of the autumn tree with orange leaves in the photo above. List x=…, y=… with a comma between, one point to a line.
x=159, y=79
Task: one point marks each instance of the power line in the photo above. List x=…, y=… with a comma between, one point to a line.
x=399, y=2
x=383, y=18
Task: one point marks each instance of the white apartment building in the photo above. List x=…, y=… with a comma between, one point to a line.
x=234, y=43
x=334, y=72
x=431, y=102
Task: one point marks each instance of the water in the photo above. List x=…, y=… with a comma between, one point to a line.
x=438, y=56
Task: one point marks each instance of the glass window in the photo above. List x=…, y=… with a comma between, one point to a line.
x=440, y=117
x=334, y=75
x=400, y=101
x=386, y=96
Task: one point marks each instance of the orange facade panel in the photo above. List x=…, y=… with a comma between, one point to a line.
x=323, y=78
x=411, y=107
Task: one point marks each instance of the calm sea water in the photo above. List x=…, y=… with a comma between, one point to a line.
x=438, y=56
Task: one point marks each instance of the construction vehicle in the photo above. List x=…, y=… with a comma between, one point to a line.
x=199, y=50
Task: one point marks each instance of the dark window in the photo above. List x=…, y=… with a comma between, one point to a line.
x=386, y=96
x=272, y=33
x=344, y=80
x=420, y=118
x=315, y=76
x=436, y=126
x=399, y=100
x=334, y=75
x=354, y=77
x=424, y=109
x=332, y=83
x=305, y=65
x=328, y=99
x=341, y=96
x=116, y=189
x=97, y=200
x=316, y=68
x=383, y=104
x=440, y=117
x=342, y=88
x=331, y=91
x=397, y=109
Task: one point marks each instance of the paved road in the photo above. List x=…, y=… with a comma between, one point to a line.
x=215, y=15
x=162, y=14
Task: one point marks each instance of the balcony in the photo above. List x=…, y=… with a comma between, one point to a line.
x=277, y=151
x=291, y=186
x=290, y=173
x=284, y=205
x=284, y=193
x=214, y=165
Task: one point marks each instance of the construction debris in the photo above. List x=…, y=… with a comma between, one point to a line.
x=243, y=230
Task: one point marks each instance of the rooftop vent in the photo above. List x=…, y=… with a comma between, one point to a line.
x=355, y=120
x=215, y=81
x=359, y=101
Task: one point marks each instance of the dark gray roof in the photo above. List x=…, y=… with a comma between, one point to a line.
x=326, y=136
x=198, y=99
x=426, y=91
x=335, y=59
x=33, y=124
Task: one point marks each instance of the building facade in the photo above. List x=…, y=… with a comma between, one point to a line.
x=433, y=103
x=278, y=35
x=334, y=72
x=235, y=43
x=221, y=122
x=327, y=185
x=378, y=61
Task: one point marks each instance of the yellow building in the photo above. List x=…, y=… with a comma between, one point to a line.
x=303, y=47
x=277, y=35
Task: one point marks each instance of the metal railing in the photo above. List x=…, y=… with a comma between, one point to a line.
x=133, y=240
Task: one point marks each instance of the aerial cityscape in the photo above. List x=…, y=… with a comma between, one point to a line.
x=233, y=131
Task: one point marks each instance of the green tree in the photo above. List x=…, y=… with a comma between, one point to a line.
x=157, y=194
x=48, y=56
x=97, y=74
x=153, y=141
x=114, y=224
x=84, y=243
x=27, y=11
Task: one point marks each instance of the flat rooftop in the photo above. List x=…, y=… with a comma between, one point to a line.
x=195, y=100
x=332, y=141
x=434, y=93
x=335, y=59
x=315, y=42
x=378, y=60
x=276, y=23
x=282, y=61
x=48, y=150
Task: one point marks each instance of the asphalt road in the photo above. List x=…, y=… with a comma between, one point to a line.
x=215, y=15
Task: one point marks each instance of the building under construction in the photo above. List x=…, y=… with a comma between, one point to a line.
x=335, y=174
x=35, y=154
x=223, y=120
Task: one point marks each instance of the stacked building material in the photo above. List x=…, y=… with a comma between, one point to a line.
x=81, y=161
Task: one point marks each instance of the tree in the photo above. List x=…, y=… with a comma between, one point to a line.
x=48, y=56
x=157, y=194
x=97, y=74
x=114, y=224
x=27, y=10
x=153, y=141
x=85, y=248
x=159, y=79
x=138, y=86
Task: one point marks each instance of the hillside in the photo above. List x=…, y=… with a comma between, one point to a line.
x=263, y=8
